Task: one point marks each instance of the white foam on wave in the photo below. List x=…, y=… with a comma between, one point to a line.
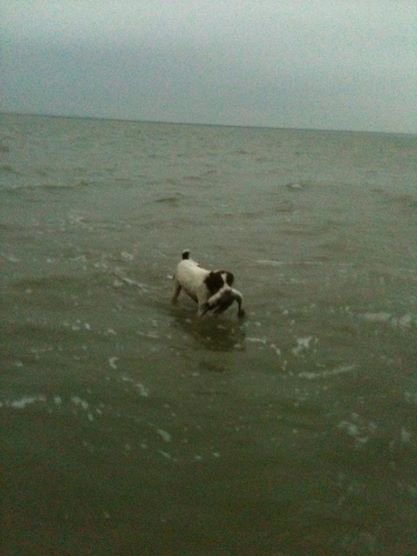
x=112, y=362
x=274, y=262
x=143, y=391
x=122, y=279
x=276, y=349
x=23, y=402
x=76, y=219
x=359, y=430
x=150, y=335
x=166, y=437
x=405, y=435
x=377, y=317
x=331, y=372
x=77, y=325
x=76, y=400
x=10, y=258
x=303, y=344
x=269, y=262
x=410, y=397
x=403, y=321
x=166, y=455
x=26, y=401
x=261, y=341
x=126, y=256
x=255, y=340
x=295, y=186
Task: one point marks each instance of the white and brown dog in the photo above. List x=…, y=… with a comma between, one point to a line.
x=211, y=289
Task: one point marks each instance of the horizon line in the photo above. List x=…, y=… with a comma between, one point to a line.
x=201, y=124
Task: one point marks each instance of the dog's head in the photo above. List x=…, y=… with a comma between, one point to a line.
x=219, y=279
x=222, y=295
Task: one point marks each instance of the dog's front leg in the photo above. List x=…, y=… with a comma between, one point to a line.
x=203, y=305
x=239, y=298
x=241, y=311
x=202, y=309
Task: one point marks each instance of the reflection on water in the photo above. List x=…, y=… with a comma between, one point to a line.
x=211, y=332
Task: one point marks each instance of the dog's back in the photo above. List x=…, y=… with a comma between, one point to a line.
x=190, y=275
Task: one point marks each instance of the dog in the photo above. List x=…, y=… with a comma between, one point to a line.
x=210, y=289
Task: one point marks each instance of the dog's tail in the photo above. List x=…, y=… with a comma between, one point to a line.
x=186, y=254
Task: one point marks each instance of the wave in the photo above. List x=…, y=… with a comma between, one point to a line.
x=8, y=169
x=53, y=186
x=403, y=321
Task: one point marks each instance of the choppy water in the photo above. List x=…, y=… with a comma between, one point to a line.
x=131, y=427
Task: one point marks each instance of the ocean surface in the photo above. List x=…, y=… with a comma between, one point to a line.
x=131, y=427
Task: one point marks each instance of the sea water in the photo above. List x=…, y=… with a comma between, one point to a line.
x=130, y=426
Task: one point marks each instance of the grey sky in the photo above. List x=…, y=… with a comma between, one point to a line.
x=326, y=64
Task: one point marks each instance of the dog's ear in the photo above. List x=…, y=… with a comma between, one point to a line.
x=229, y=278
x=214, y=281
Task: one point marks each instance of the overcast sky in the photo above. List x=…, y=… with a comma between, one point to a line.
x=325, y=64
